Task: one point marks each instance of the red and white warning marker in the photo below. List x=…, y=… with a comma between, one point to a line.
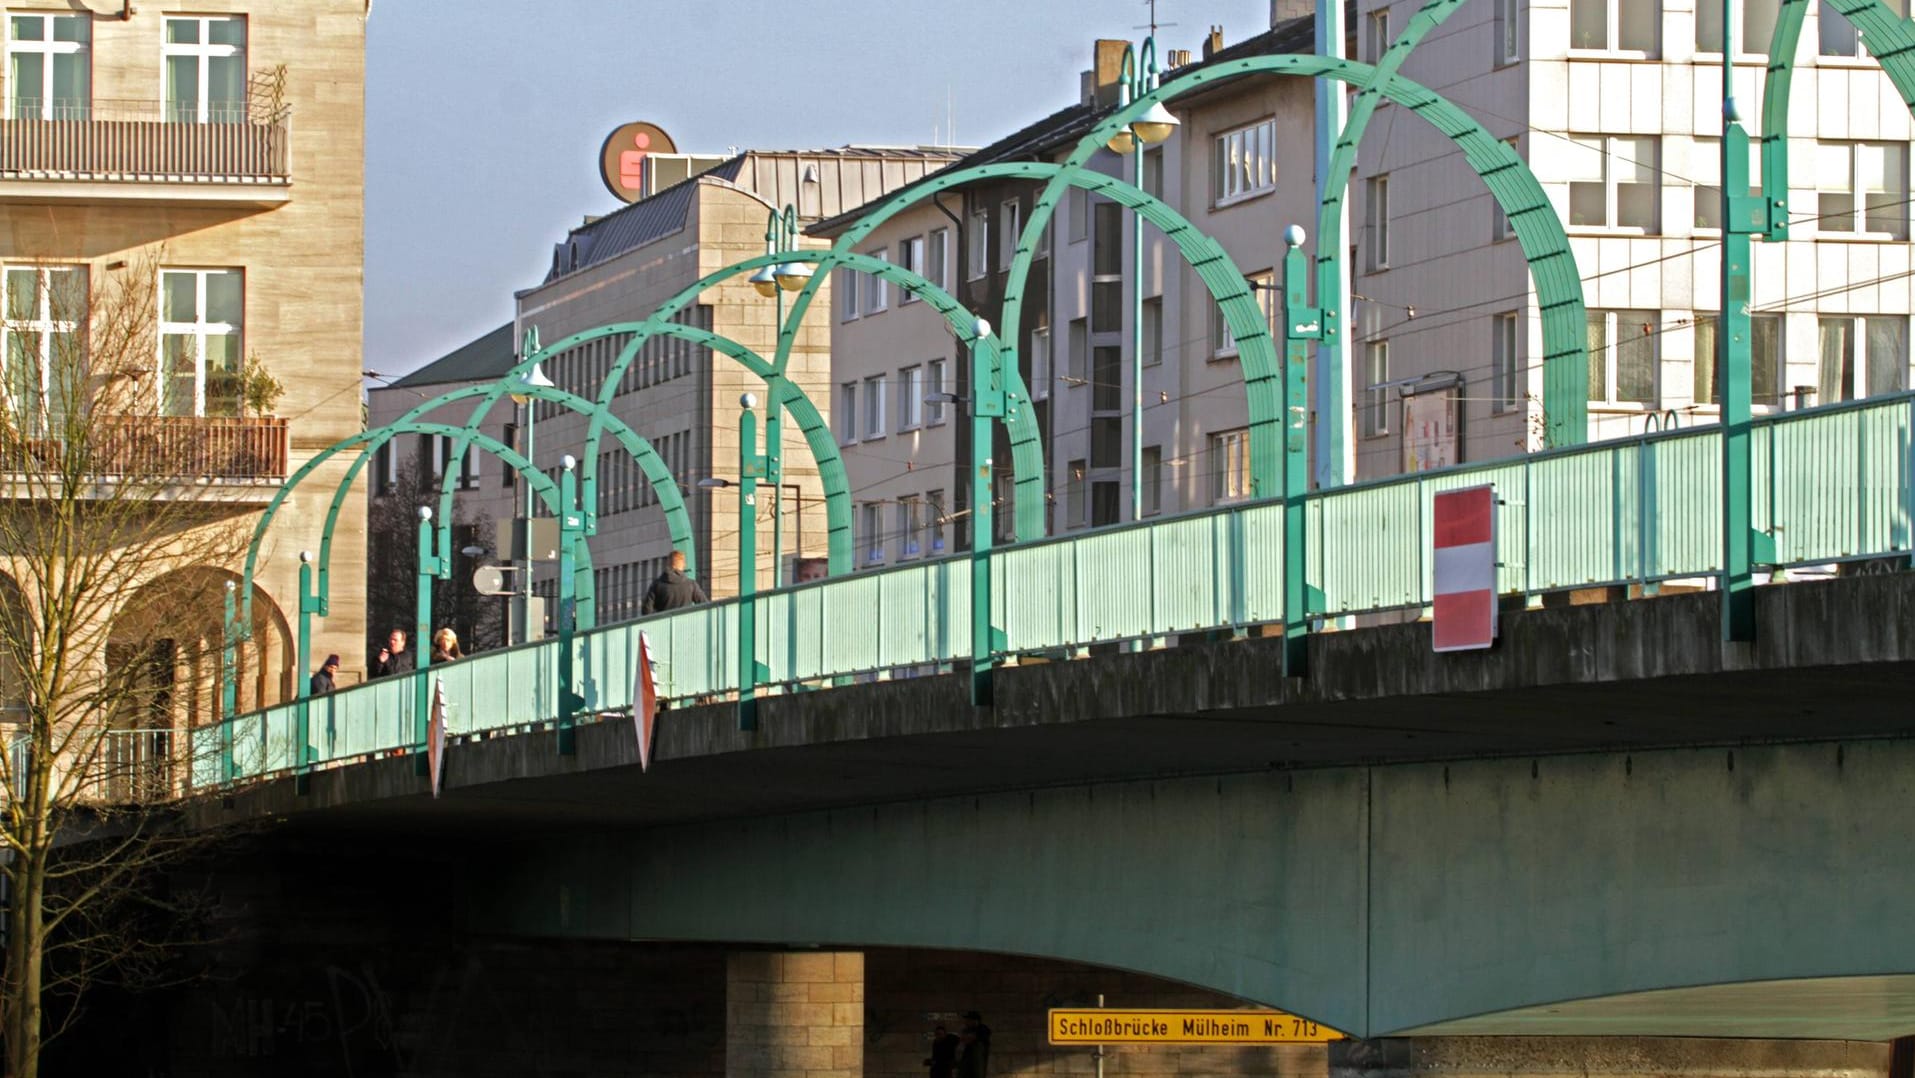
x=1465, y=534
x=644, y=702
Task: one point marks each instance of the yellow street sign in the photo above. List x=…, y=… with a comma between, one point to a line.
x=1098, y=1025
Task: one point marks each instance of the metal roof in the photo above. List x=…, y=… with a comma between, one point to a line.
x=481, y=360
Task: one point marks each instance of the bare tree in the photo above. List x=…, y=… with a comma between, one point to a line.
x=392, y=564
x=117, y=551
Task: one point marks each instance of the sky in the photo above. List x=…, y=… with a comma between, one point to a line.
x=484, y=118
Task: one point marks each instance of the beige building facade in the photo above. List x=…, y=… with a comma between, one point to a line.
x=209, y=156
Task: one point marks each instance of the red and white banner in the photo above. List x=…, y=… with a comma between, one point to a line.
x=1465, y=534
x=436, y=735
x=644, y=702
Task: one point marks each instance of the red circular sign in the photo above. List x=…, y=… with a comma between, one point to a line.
x=622, y=158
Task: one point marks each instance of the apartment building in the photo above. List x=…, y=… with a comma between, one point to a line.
x=209, y=155
x=1616, y=105
x=680, y=396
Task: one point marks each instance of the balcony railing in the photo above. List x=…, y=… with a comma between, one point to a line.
x=185, y=448
x=128, y=141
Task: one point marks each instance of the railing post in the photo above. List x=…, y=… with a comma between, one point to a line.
x=422, y=644
x=987, y=406
x=302, y=735
x=229, y=682
x=571, y=534
x=751, y=466
x=1301, y=325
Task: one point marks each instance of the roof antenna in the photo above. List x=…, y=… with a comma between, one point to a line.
x=1154, y=24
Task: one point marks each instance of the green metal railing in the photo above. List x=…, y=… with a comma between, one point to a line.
x=1831, y=484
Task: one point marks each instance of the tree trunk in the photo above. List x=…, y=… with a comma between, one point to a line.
x=26, y=953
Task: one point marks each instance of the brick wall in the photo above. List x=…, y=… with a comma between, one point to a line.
x=797, y=1014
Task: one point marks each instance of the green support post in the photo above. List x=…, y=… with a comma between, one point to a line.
x=987, y=406
x=571, y=533
x=774, y=477
x=751, y=468
x=1742, y=218
x=302, y=735
x=422, y=642
x=1302, y=324
x=229, y=682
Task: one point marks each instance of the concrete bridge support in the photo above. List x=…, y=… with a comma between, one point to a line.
x=794, y=1014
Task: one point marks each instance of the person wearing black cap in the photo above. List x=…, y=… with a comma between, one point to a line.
x=322, y=680
x=974, y=1051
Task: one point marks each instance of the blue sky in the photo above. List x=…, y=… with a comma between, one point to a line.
x=484, y=117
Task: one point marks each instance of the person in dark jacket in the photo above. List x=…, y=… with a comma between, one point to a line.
x=393, y=658
x=974, y=1054
x=673, y=590
x=322, y=680
x=944, y=1051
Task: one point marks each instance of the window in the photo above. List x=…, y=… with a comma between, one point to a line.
x=1153, y=480
x=205, y=70
x=1879, y=170
x=507, y=476
x=1502, y=228
x=1839, y=37
x=1229, y=466
x=935, y=383
x=1878, y=365
x=1376, y=220
x=978, y=258
x=1244, y=162
x=386, y=463
x=1506, y=387
x=1077, y=373
x=1154, y=172
x=1756, y=26
x=1616, y=25
x=1705, y=166
x=937, y=260
x=909, y=523
x=934, y=519
x=1376, y=393
x=874, y=406
x=1009, y=223
x=1105, y=495
x=201, y=316
x=1622, y=357
x=847, y=286
x=1107, y=268
x=877, y=290
x=911, y=257
x=1074, y=495
x=40, y=343
x=1223, y=343
x=1153, y=331
x=1040, y=363
x=1107, y=442
x=873, y=532
x=1765, y=360
x=910, y=398
x=1376, y=35
x=49, y=74
x=847, y=413
x=1613, y=182
x=1078, y=207
x=1107, y=381
x=1508, y=39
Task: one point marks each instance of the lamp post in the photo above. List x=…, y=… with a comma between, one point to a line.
x=1302, y=324
x=1134, y=80
x=773, y=281
x=536, y=379
x=429, y=567
x=302, y=739
x=571, y=531
x=751, y=468
x=1742, y=218
x=987, y=407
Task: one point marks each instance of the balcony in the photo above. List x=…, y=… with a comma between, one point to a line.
x=240, y=460
x=129, y=153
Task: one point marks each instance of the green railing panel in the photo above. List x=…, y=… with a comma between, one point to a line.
x=203, y=768
x=1578, y=526
x=1369, y=538
x=1112, y=602
x=1188, y=590
x=956, y=615
x=808, y=607
x=1884, y=479
x=1034, y=595
x=852, y=645
x=1258, y=535
x=280, y=732
x=908, y=599
x=1685, y=506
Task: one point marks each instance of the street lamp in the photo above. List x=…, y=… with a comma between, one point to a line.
x=530, y=380
x=752, y=467
x=1134, y=80
x=772, y=281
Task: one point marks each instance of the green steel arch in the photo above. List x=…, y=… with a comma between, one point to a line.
x=1256, y=352
x=368, y=442
x=1885, y=35
x=1514, y=186
x=1021, y=424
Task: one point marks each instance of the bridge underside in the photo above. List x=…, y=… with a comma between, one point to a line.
x=1611, y=824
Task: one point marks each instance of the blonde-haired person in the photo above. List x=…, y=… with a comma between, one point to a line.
x=445, y=646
